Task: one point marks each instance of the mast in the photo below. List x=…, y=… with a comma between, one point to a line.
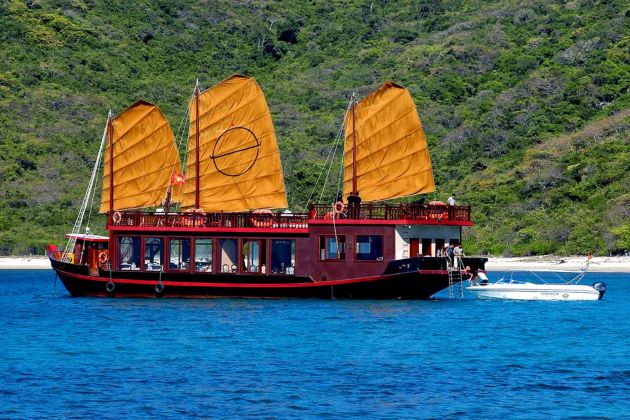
x=197, y=144
x=354, y=147
x=110, y=133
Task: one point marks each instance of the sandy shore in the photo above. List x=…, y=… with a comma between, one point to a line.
x=35, y=262
x=555, y=263
x=538, y=263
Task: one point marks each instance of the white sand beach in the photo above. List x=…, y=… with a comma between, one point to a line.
x=537, y=263
x=34, y=262
x=556, y=263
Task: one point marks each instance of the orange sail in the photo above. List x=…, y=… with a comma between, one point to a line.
x=145, y=157
x=239, y=160
x=392, y=156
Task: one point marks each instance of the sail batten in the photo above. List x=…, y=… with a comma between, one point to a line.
x=239, y=160
x=131, y=124
x=144, y=157
x=241, y=107
x=392, y=158
x=146, y=136
x=131, y=163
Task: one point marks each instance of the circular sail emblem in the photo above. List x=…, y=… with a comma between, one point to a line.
x=235, y=151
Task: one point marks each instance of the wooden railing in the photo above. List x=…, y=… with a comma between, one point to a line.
x=369, y=211
x=409, y=212
x=217, y=220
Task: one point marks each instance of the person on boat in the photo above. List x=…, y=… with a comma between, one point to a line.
x=470, y=276
x=354, y=206
x=449, y=253
x=451, y=200
x=483, y=277
x=458, y=253
x=475, y=277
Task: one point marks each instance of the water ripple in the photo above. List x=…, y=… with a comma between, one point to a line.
x=247, y=358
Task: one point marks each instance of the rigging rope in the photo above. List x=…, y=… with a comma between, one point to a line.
x=79, y=221
x=91, y=207
x=157, y=179
x=178, y=140
x=329, y=157
x=185, y=160
x=340, y=135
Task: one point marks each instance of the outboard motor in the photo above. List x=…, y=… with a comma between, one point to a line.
x=601, y=288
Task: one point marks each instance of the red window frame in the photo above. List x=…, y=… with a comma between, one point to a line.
x=341, y=241
x=356, y=247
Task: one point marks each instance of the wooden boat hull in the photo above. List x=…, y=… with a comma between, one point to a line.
x=415, y=284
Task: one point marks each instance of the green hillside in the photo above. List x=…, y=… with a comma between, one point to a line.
x=525, y=104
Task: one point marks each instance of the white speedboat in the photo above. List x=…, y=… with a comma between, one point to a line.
x=516, y=289
x=523, y=290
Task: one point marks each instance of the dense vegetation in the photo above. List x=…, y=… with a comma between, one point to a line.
x=526, y=104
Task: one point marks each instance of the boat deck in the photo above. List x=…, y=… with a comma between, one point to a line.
x=383, y=214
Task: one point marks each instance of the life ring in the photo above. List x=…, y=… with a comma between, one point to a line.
x=110, y=286
x=339, y=207
x=116, y=218
x=262, y=222
x=103, y=257
x=262, y=218
x=194, y=218
x=194, y=221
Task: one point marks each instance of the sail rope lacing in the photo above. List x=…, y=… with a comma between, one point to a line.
x=86, y=199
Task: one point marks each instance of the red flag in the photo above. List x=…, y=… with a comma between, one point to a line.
x=177, y=179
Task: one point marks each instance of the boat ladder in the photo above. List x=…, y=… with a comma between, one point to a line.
x=455, y=278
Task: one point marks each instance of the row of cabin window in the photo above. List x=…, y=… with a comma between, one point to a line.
x=367, y=248
x=253, y=254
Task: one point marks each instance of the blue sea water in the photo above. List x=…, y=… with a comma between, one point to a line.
x=64, y=357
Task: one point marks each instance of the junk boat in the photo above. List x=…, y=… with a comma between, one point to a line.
x=221, y=228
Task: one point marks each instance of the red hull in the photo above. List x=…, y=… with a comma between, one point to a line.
x=418, y=284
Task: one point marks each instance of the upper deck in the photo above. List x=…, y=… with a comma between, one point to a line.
x=367, y=214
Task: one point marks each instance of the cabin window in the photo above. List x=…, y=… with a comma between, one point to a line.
x=283, y=256
x=254, y=256
x=369, y=248
x=179, y=254
x=153, y=253
x=129, y=248
x=203, y=255
x=332, y=247
x=229, y=255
